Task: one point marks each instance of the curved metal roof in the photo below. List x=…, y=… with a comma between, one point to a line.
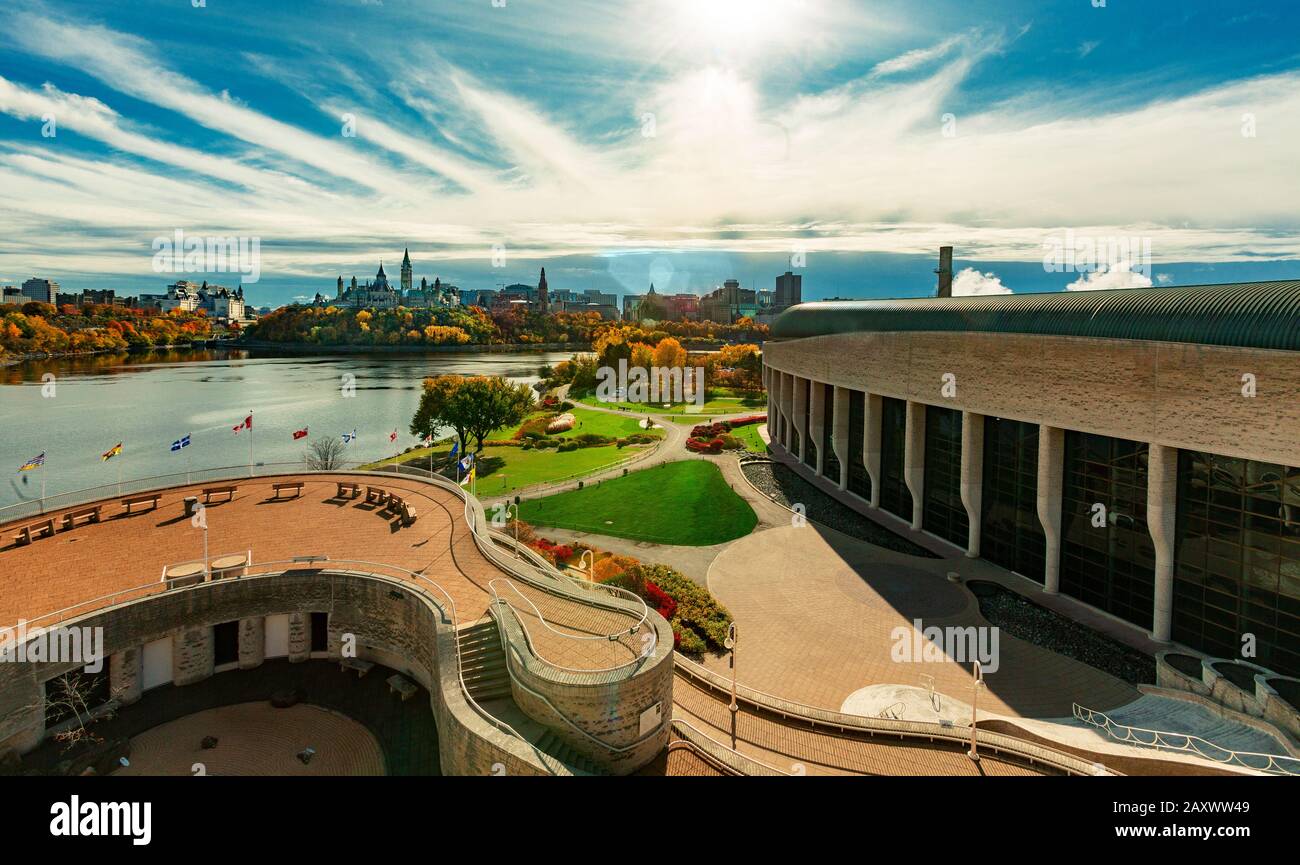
x=1245, y=314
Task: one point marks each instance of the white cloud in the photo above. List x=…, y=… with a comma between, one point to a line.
x=970, y=282
x=1120, y=275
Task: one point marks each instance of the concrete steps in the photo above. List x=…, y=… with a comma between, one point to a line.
x=1169, y=715
x=552, y=744
x=483, y=662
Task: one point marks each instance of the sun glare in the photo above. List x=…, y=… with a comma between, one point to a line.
x=734, y=24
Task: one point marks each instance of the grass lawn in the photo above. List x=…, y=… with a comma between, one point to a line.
x=606, y=424
x=719, y=405
x=687, y=503
x=503, y=470
x=749, y=435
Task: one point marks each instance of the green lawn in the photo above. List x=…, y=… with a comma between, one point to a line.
x=606, y=424
x=687, y=503
x=719, y=405
x=503, y=470
x=749, y=435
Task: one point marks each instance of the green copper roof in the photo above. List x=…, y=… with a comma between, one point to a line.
x=1246, y=314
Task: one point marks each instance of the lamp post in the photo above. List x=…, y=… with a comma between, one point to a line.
x=590, y=569
x=730, y=644
x=510, y=505
x=976, y=684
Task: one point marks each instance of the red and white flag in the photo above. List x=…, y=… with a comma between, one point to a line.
x=300, y=433
x=246, y=423
x=392, y=436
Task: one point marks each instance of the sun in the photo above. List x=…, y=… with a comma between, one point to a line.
x=735, y=24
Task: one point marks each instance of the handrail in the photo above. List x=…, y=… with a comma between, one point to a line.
x=731, y=752
x=605, y=638
x=816, y=716
x=1274, y=764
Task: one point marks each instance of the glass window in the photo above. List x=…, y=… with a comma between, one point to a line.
x=859, y=480
x=1011, y=534
x=1237, y=572
x=1111, y=567
x=894, y=495
x=944, y=514
x=831, y=463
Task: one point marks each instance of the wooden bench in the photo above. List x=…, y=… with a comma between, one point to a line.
x=31, y=531
x=151, y=498
x=376, y=495
x=294, y=486
x=399, y=684
x=90, y=515
x=394, y=504
x=361, y=667
x=348, y=491
x=228, y=492
x=409, y=514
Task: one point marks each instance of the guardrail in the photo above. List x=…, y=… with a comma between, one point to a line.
x=839, y=722
x=729, y=757
x=1161, y=740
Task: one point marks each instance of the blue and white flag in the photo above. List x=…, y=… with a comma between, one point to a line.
x=349, y=437
x=467, y=462
x=182, y=442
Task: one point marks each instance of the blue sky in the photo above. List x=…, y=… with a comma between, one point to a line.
x=684, y=141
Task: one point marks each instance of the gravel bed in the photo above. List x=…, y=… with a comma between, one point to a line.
x=1022, y=618
x=781, y=484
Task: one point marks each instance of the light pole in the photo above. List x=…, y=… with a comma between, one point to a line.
x=976, y=684
x=510, y=505
x=590, y=569
x=730, y=644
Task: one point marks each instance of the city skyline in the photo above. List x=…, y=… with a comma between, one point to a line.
x=655, y=143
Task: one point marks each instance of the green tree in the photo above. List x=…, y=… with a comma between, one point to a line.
x=472, y=406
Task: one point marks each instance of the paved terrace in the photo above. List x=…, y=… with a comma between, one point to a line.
x=124, y=552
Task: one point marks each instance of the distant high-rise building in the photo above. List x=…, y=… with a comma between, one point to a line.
x=945, y=271
x=44, y=290
x=789, y=291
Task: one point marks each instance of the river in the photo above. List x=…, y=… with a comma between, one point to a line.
x=148, y=400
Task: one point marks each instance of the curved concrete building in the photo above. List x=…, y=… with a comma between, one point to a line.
x=1136, y=449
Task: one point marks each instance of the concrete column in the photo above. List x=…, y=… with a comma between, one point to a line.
x=840, y=434
x=252, y=642
x=1162, y=507
x=800, y=409
x=193, y=655
x=299, y=637
x=914, y=460
x=817, y=422
x=972, y=477
x=769, y=377
x=126, y=674
x=1051, y=478
x=871, y=443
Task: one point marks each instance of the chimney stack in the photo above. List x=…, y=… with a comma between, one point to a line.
x=945, y=271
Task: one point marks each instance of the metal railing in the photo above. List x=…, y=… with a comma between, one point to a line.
x=617, y=637
x=1186, y=743
x=726, y=755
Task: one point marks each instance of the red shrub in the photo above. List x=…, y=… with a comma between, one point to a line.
x=659, y=599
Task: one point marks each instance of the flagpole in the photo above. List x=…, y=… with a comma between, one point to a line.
x=250, y=442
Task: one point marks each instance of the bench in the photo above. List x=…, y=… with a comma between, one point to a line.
x=376, y=495
x=228, y=492
x=398, y=684
x=394, y=504
x=362, y=667
x=31, y=531
x=90, y=515
x=409, y=514
x=294, y=486
x=348, y=491
x=151, y=498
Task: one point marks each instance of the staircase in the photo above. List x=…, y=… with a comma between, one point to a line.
x=483, y=662
x=552, y=744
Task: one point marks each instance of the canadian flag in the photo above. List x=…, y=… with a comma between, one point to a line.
x=246, y=423
x=392, y=436
x=300, y=433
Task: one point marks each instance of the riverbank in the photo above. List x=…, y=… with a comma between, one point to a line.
x=467, y=348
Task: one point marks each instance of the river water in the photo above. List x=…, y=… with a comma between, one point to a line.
x=148, y=400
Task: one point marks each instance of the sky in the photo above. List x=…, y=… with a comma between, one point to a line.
x=619, y=142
